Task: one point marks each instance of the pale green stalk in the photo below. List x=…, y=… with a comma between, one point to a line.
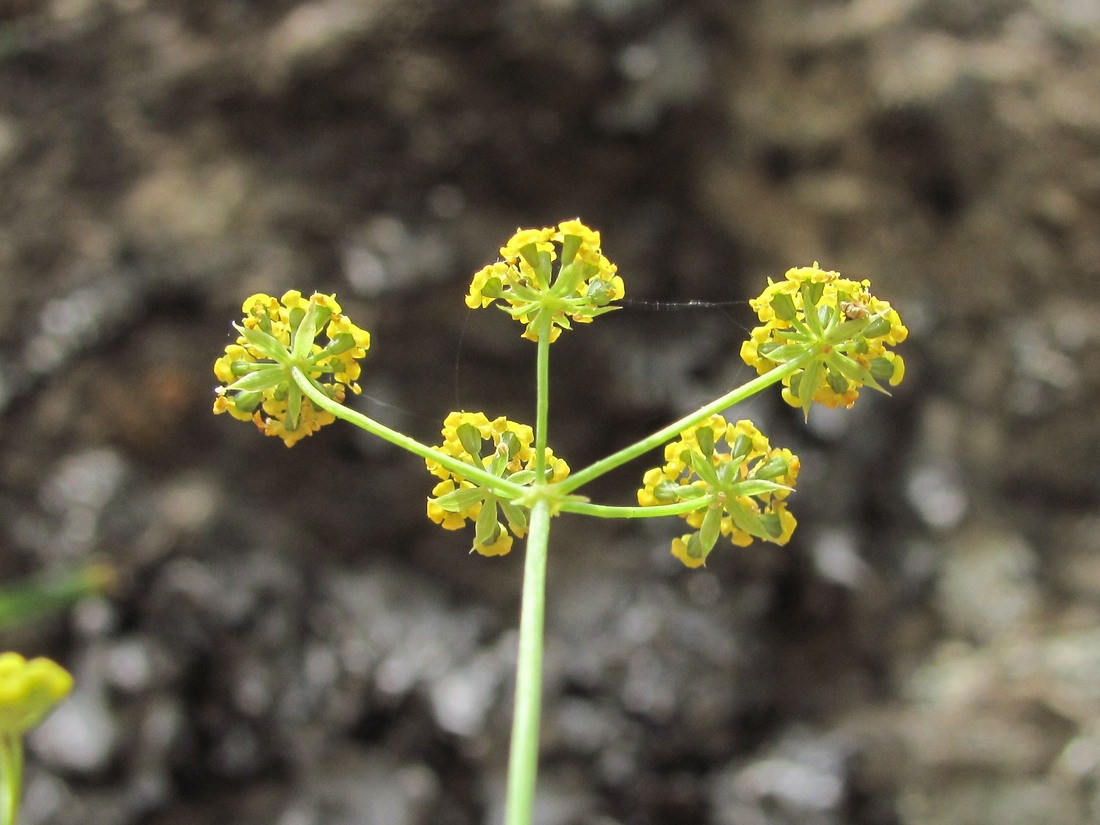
x=616, y=511
x=672, y=430
x=498, y=485
x=524, y=756
x=11, y=776
x=542, y=403
x=523, y=759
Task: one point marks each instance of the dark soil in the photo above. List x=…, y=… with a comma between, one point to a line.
x=293, y=643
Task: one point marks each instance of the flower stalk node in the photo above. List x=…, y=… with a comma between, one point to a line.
x=511, y=455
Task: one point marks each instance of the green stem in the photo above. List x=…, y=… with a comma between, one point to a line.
x=523, y=760
x=613, y=511
x=542, y=404
x=672, y=430
x=11, y=776
x=524, y=756
x=507, y=489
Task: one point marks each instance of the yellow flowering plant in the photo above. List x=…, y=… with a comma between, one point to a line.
x=527, y=288
x=821, y=336
x=29, y=690
x=849, y=330
x=276, y=336
x=742, y=480
x=511, y=456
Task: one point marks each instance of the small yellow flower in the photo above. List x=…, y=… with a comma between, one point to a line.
x=276, y=335
x=444, y=518
x=29, y=691
x=540, y=239
x=501, y=546
x=739, y=480
x=529, y=287
x=848, y=329
x=486, y=285
x=680, y=551
x=510, y=455
x=273, y=419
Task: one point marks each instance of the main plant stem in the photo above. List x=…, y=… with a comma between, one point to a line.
x=523, y=760
x=524, y=757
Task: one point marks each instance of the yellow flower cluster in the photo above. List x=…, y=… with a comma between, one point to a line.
x=511, y=456
x=29, y=691
x=585, y=284
x=739, y=480
x=813, y=310
x=277, y=334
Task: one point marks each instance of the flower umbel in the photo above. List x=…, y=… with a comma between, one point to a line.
x=848, y=329
x=739, y=480
x=276, y=335
x=511, y=455
x=29, y=691
x=529, y=286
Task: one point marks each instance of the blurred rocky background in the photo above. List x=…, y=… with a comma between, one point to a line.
x=293, y=643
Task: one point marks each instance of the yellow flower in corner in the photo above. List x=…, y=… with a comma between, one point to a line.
x=29, y=690
x=275, y=336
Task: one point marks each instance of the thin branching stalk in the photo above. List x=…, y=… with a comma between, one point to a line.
x=672, y=430
x=509, y=488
